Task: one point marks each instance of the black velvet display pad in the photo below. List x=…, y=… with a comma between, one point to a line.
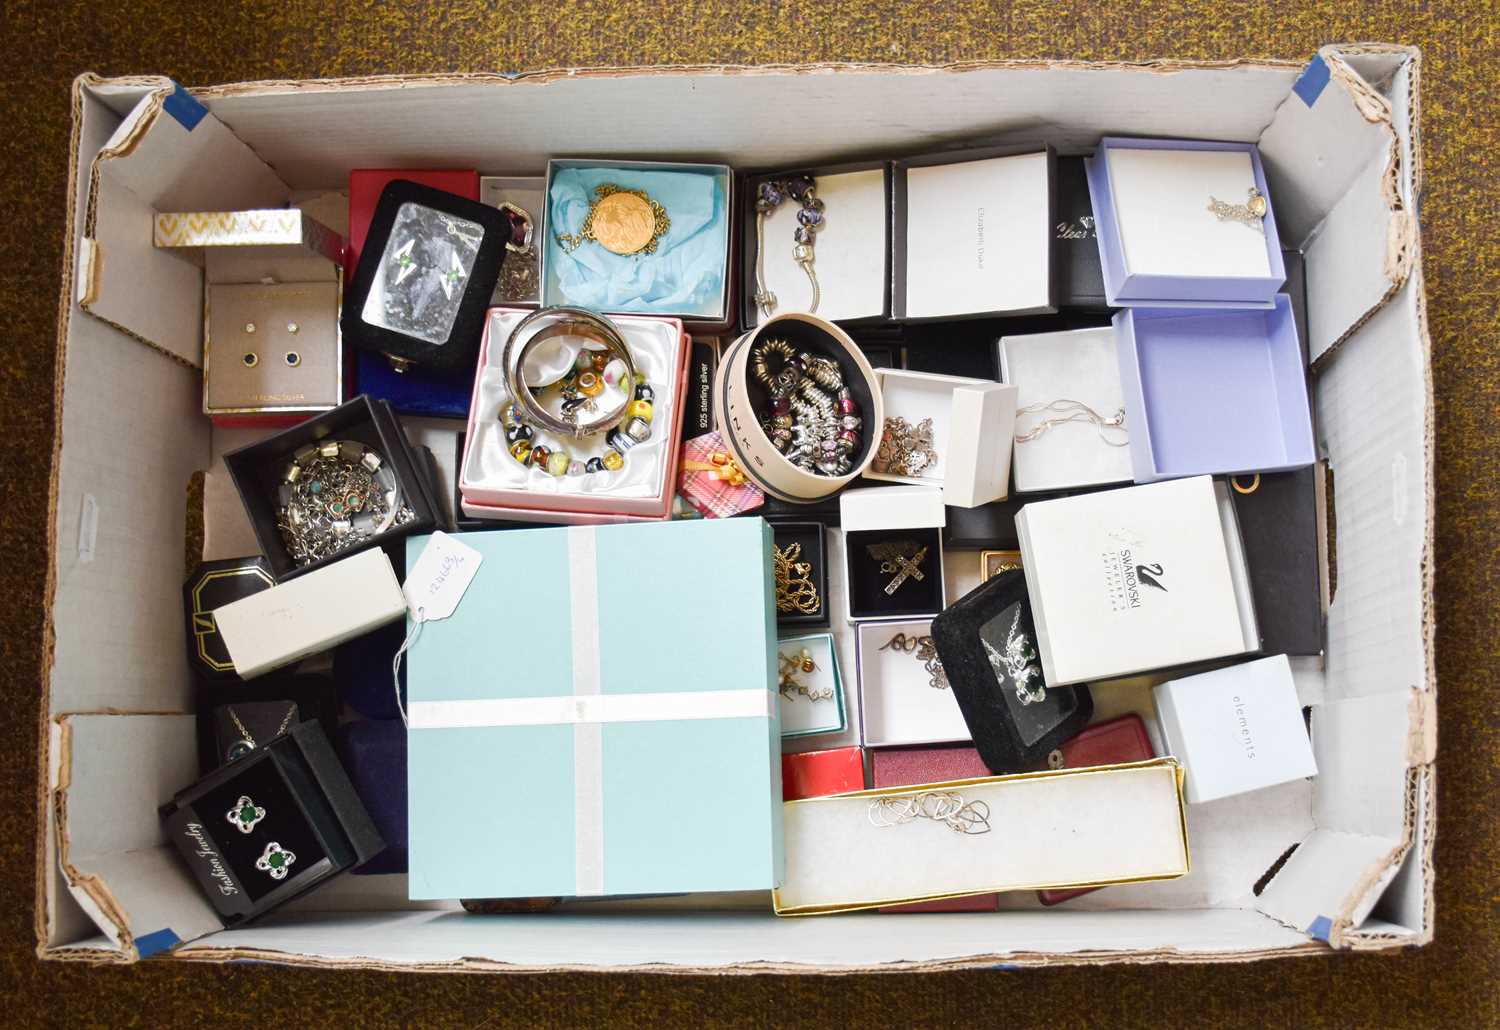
x=261, y=705
x=374, y=755
x=866, y=583
x=810, y=536
x=258, y=471
x=460, y=348
x=362, y=671
x=286, y=823
x=987, y=644
x=310, y=809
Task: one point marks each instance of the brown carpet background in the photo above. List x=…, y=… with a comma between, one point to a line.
x=1453, y=982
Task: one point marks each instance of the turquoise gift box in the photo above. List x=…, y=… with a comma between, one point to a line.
x=598, y=716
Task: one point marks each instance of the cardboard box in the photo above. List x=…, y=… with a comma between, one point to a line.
x=972, y=425
x=1144, y=577
x=1210, y=392
x=813, y=774
x=272, y=285
x=1341, y=156
x=311, y=613
x=1160, y=242
x=587, y=740
x=495, y=485
x=1237, y=729
x=1120, y=824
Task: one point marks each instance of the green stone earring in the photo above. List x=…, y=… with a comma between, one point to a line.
x=275, y=860
x=245, y=814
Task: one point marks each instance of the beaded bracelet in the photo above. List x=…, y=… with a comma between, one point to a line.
x=559, y=460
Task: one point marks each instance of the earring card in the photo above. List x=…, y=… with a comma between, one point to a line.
x=1090, y=827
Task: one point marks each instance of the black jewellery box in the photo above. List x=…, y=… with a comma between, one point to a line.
x=425, y=277
x=851, y=248
x=987, y=643
x=271, y=826
x=212, y=585
x=235, y=718
x=807, y=602
x=263, y=474
x=893, y=552
x=1080, y=277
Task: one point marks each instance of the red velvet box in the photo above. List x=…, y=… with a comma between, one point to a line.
x=1106, y=743
x=365, y=185
x=815, y=774
x=933, y=765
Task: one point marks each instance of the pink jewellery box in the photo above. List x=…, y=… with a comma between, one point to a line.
x=495, y=486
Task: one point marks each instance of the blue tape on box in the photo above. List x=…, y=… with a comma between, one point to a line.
x=155, y=943
x=181, y=104
x=1309, y=85
x=1320, y=928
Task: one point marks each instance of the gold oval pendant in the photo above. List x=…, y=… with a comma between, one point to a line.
x=624, y=222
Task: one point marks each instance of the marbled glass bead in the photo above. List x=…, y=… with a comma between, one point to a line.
x=613, y=461
x=539, y=456
x=614, y=372
x=802, y=234
x=558, y=462
x=600, y=360
x=519, y=431
x=575, y=467
x=590, y=385
x=521, y=451
x=585, y=360
x=770, y=195
x=781, y=406
x=848, y=406
x=797, y=186
x=643, y=392
x=810, y=217
x=593, y=465
x=510, y=415
x=638, y=409
x=618, y=440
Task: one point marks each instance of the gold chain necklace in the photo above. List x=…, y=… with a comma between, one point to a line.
x=248, y=739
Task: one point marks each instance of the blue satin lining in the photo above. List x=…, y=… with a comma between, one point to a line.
x=686, y=274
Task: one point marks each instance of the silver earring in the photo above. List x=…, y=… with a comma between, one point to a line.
x=245, y=814
x=275, y=860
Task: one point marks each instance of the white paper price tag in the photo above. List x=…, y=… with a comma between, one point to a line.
x=437, y=580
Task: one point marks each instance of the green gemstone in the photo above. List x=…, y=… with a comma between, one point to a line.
x=277, y=860
x=315, y=487
x=247, y=814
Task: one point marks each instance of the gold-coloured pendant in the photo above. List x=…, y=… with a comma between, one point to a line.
x=621, y=221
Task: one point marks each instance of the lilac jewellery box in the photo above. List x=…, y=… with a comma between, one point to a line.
x=1210, y=392
x=1160, y=242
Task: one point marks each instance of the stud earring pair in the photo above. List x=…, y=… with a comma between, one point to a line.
x=250, y=359
x=275, y=859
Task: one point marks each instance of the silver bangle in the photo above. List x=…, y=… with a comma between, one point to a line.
x=545, y=324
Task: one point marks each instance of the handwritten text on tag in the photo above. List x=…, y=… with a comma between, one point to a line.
x=439, y=577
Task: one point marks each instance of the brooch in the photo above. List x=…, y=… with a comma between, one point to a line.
x=621, y=221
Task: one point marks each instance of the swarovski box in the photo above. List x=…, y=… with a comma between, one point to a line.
x=625, y=688
x=1339, y=140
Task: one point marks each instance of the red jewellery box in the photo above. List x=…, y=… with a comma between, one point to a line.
x=904, y=767
x=1106, y=743
x=815, y=774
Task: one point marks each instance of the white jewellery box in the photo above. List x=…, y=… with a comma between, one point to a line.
x=1236, y=729
x=960, y=428
x=310, y=613
x=1074, y=376
x=1141, y=578
x=893, y=551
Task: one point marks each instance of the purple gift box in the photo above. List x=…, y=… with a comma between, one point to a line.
x=1122, y=288
x=1213, y=392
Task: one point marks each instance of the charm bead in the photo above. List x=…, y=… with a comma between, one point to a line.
x=643, y=392
x=614, y=372
x=638, y=429
x=590, y=385
x=539, y=456
x=519, y=431
x=613, y=461
x=593, y=465
x=558, y=462
x=575, y=467
x=639, y=409
x=521, y=450
x=617, y=439
x=585, y=360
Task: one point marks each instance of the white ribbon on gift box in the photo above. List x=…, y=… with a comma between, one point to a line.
x=587, y=710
